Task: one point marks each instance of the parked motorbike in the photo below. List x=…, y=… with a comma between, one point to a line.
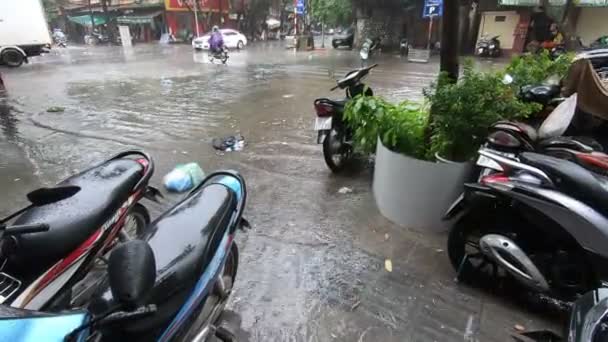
x=540, y=222
x=84, y=217
x=368, y=48
x=221, y=55
x=194, y=260
x=331, y=129
x=488, y=47
x=588, y=321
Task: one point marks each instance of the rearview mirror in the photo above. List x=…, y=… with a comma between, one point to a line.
x=132, y=273
x=45, y=196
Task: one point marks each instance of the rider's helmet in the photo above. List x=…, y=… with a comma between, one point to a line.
x=215, y=28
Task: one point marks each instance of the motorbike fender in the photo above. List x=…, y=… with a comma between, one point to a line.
x=474, y=195
x=583, y=223
x=587, y=315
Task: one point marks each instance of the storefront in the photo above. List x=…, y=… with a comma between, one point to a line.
x=181, y=21
x=144, y=26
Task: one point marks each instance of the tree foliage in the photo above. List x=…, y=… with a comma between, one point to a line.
x=331, y=12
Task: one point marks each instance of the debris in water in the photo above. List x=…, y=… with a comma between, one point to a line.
x=355, y=305
x=55, y=109
x=229, y=143
x=17, y=179
x=388, y=265
x=183, y=177
x=386, y=237
x=439, y=250
x=287, y=96
x=519, y=327
x=345, y=190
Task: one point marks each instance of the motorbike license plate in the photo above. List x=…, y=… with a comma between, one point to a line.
x=323, y=124
x=491, y=164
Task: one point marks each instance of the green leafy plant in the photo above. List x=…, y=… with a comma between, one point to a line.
x=533, y=69
x=458, y=125
x=400, y=126
x=463, y=111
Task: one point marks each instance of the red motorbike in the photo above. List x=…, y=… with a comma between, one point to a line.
x=75, y=224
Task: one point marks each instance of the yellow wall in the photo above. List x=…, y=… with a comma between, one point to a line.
x=505, y=29
x=592, y=23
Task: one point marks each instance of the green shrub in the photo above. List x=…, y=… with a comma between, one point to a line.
x=530, y=69
x=463, y=111
x=399, y=126
x=458, y=125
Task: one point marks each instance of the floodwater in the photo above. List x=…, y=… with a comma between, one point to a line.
x=312, y=267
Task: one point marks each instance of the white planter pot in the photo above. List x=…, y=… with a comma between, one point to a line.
x=414, y=193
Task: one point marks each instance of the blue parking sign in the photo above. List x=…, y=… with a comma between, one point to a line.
x=300, y=6
x=432, y=8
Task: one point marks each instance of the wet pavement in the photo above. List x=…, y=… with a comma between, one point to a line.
x=312, y=267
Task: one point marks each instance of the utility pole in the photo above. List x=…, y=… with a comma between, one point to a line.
x=196, y=18
x=91, y=15
x=449, y=40
x=323, y=32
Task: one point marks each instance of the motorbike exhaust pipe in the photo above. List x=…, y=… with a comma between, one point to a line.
x=515, y=261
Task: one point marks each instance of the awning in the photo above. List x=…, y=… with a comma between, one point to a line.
x=138, y=18
x=85, y=20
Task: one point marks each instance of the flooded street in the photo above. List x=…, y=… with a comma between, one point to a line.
x=312, y=267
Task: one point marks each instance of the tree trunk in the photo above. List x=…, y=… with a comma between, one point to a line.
x=449, y=40
x=568, y=23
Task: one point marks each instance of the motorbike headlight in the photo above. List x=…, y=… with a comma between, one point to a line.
x=364, y=54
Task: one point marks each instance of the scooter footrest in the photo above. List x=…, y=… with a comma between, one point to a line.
x=8, y=286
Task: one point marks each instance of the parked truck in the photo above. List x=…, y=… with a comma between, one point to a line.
x=23, y=31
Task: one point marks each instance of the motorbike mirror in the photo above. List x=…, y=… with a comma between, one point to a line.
x=507, y=79
x=132, y=273
x=45, y=196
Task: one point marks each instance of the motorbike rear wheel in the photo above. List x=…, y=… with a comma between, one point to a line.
x=137, y=221
x=564, y=266
x=336, y=152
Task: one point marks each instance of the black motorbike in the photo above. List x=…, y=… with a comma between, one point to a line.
x=488, y=47
x=331, y=129
x=541, y=222
x=588, y=322
x=193, y=259
x=221, y=55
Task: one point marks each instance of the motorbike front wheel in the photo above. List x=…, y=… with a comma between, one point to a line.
x=336, y=151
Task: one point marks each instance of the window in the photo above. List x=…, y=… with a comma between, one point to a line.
x=500, y=18
x=229, y=33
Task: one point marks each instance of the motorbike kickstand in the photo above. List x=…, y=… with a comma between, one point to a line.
x=460, y=268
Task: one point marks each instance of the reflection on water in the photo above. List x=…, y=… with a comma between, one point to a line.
x=8, y=121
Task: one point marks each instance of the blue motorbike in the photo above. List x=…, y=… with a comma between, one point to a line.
x=170, y=286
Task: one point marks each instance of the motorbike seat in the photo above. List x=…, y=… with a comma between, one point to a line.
x=103, y=189
x=572, y=179
x=195, y=228
x=333, y=103
x=540, y=93
x=582, y=144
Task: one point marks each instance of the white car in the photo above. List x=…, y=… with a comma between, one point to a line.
x=233, y=39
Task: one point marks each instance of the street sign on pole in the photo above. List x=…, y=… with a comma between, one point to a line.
x=432, y=8
x=300, y=7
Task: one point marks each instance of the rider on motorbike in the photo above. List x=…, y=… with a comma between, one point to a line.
x=216, y=41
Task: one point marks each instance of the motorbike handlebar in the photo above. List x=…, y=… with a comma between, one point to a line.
x=25, y=229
